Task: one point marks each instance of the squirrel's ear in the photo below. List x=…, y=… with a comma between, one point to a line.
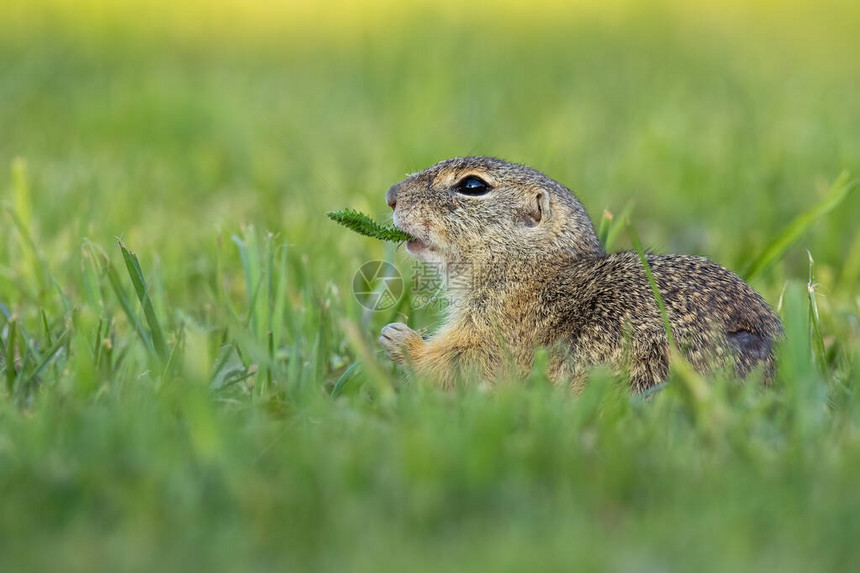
x=538, y=209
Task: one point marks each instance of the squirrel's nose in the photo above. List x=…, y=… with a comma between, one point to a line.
x=391, y=197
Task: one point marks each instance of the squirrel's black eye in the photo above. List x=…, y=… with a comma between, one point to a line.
x=472, y=186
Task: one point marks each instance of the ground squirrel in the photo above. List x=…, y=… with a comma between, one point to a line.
x=531, y=273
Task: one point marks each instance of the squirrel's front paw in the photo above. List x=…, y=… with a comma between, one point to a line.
x=400, y=342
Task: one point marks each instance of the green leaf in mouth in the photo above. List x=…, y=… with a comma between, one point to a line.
x=362, y=224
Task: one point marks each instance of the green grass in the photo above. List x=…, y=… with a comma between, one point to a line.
x=187, y=383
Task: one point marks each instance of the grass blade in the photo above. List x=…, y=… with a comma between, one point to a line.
x=177, y=348
x=47, y=357
x=818, y=349
x=281, y=314
x=708, y=412
x=663, y=314
x=46, y=327
x=29, y=350
x=21, y=214
x=347, y=375
x=603, y=228
x=137, y=279
x=11, y=372
x=618, y=223
x=835, y=196
x=271, y=360
x=97, y=343
x=249, y=254
x=125, y=303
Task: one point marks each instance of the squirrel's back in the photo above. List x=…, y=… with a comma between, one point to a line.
x=605, y=309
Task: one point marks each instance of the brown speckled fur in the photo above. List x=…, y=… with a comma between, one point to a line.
x=530, y=273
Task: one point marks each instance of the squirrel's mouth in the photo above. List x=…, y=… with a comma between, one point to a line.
x=417, y=247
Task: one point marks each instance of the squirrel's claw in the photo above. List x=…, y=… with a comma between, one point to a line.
x=399, y=342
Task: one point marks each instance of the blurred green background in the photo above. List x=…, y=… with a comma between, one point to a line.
x=212, y=137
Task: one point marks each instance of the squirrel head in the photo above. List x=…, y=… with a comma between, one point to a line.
x=481, y=209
